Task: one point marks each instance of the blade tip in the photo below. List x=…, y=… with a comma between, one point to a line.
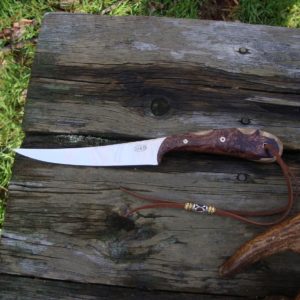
x=17, y=150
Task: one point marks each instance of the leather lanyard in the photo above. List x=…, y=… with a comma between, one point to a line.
x=240, y=215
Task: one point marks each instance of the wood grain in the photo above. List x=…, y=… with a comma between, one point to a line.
x=34, y=288
x=90, y=71
x=100, y=80
x=64, y=223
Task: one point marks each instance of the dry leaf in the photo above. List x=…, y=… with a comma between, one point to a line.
x=154, y=6
x=16, y=31
x=67, y=4
x=112, y=7
x=24, y=22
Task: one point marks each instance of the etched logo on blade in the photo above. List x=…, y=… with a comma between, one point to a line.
x=140, y=148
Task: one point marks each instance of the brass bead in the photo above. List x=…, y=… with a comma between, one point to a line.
x=188, y=206
x=211, y=209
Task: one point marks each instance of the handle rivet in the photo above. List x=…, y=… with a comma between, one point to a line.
x=222, y=139
x=185, y=141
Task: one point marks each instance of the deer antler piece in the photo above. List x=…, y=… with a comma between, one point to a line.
x=279, y=238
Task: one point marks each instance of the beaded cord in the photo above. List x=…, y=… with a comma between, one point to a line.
x=235, y=214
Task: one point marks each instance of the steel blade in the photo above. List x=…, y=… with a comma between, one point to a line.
x=126, y=154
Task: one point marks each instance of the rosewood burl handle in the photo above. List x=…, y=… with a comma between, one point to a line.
x=238, y=142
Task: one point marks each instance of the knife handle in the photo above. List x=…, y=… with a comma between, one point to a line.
x=238, y=142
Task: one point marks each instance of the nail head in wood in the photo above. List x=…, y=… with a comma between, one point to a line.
x=242, y=177
x=245, y=121
x=243, y=50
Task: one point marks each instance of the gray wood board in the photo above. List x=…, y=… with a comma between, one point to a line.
x=98, y=80
x=26, y=288
x=63, y=223
x=106, y=76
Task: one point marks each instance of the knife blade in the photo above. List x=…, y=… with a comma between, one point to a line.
x=238, y=142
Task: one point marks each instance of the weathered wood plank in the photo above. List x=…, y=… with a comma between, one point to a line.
x=63, y=223
x=158, y=76
x=131, y=78
x=213, y=44
x=17, y=287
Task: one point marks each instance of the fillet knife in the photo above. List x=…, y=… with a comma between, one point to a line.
x=237, y=142
x=251, y=144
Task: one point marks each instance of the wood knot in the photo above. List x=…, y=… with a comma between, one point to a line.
x=116, y=222
x=160, y=106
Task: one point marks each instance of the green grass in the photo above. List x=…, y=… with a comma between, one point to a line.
x=14, y=79
x=15, y=65
x=169, y=8
x=270, y=12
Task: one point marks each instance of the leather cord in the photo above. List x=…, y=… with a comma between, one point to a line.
x=240, y=215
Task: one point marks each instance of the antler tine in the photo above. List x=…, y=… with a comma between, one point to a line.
x=279, y=238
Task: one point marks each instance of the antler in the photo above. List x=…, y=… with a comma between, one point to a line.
x=279, y=238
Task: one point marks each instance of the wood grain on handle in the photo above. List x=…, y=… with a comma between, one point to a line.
x=237, y=142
